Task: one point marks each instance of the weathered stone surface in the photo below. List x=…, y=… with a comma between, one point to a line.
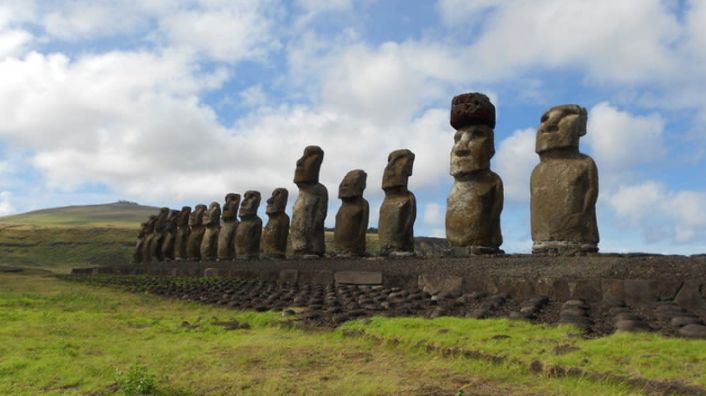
x=149, y=237
x=309, y=213
x=439, y=284
x=274, y=235
x=247, y=239
x=586, y=289
x=140, y=245
x=197, y=230
x=170, y=231
x=352, y=217
x=229, y=227
x=290, y=276
x=399, y=208
x=158, y=235
x=640, y=291
x=472, y=109
x=182, y=235
x=564, y=186
x=358, y=278
x=693, y=331
x=210, y=272
x=476, y=198
x=212, y=222
x=690, y=298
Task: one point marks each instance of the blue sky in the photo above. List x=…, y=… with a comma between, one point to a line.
x=179, y=102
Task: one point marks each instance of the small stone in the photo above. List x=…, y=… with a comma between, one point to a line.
x=681, y=321
x=693, y=331
x=574, y=304
x=478, y=313
x=631, y=325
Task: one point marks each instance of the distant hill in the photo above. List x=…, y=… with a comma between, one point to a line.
x=120, y=213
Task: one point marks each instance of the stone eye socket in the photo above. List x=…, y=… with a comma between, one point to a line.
x=545, y=117
x=457, y=137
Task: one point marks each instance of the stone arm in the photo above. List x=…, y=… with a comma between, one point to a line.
x=364, y=219
x=499, y=199
x=322, y=206
x=409, y=220
x=591, y=195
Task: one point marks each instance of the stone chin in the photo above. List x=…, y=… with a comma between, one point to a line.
x=462, y=166
x=393, y=180
x=304, y=176
x=547, y=141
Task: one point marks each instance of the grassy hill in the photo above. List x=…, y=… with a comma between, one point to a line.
x=72, y=236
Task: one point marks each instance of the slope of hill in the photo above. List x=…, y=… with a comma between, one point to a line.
x=113, y=214
x=72, y=236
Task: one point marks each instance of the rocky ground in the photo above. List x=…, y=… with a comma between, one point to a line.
x=329, y=306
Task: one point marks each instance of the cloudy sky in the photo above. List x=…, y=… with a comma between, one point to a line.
x=168, y=102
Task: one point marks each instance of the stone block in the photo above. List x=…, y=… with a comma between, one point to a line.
x=358, y=278
x=640, y=291
x=588, y=290
x=613, y=291
x=555, y=289
x=211, y=272
x=289, y=276
x=436, y=284
x=690, y=297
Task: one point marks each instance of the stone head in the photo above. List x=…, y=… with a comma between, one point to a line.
x=353, y=184
x=230, y=207
x=150, y=224
x=561, y=127
x=173, y=216
x=251, y=201
x=308, y=165
x=214, y=212
x=398, y=169
x=473, y=148
x=278, y=201
x=472, y=108
x=162, y=219
x=184, y=214
x=143, y=229
x=197, y=215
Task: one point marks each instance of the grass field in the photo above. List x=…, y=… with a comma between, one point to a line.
x=67, y=338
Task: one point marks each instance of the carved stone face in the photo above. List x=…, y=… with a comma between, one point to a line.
x=213, y=214
x=278, y=201
x=472, y=109
x=308, y=165
x=561, y=127
x=149, y=228
x=197, y=215
x=473, y=148
x=251, y=201
x=353, y=184
x=230, y=207
x=184, y=214
x=398, y=169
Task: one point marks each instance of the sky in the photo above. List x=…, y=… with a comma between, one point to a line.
x=176, y=102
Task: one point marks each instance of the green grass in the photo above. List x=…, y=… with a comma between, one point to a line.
x=66, y=338
x=104, y=215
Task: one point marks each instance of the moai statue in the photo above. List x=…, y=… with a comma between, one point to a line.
x=399, y=208
x=160, y=226
x=149, y=238
x=193, y=248
x=170, y=231
x=226, y=238
x=139, y=246
x=274, y=235
x=212, y=222
x=182, y=235
x=309, y=213
x=247, y=239
x=564, y=186
x=352, y=217
x=476, y=199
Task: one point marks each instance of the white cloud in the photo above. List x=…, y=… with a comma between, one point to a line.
x=81, y=19
x=253, y=96
x=433, y=215
x=659, y=213
x=6, y=207
x=620, y=140
x=465, y=12
x=626, y=42
x=514, y=162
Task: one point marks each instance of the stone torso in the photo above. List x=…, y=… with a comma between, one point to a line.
x=307, y=227
x=473, y=211
x=351, y=226
x=226, y=240
x=274, y=235
x=247, y=238
x=396, y=224
x=563, y=195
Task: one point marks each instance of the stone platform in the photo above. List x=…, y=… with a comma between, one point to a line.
x=608, y=278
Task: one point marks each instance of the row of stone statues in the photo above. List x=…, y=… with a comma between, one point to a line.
x=209, y=234
x=563, y=187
